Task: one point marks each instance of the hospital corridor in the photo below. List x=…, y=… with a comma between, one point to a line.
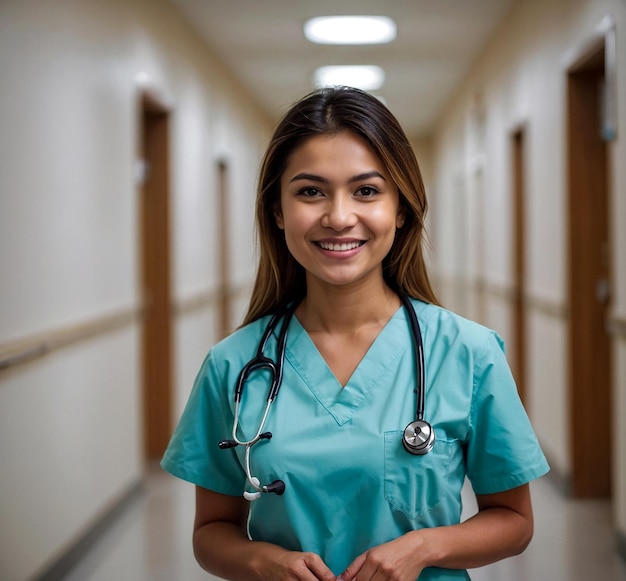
x=132, y=135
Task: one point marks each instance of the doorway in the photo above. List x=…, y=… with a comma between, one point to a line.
x=590, y=388
x=224, y=307
x=156, y=340
x=518, y=364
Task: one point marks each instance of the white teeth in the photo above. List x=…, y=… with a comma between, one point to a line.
x=339, y=247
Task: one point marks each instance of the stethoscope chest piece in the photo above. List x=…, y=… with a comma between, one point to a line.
x=418, y=437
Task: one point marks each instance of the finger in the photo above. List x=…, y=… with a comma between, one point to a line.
x=353, y=568
x=316, y=565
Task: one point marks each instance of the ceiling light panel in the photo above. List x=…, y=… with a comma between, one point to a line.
x=350, y=30
x=366, y=77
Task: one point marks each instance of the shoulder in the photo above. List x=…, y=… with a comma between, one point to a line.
x=225, y=359
x=242, y=343
x=441, y=323
x=442, y=320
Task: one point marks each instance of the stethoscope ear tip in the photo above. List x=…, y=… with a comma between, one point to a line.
x=277, y=487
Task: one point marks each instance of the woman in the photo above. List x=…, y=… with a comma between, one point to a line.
x=340, y=216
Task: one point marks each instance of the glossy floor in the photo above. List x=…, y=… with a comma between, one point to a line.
x=152, y=541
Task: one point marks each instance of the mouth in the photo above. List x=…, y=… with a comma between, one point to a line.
x=340, y=246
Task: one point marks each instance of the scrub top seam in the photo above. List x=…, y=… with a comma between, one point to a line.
x=477, y=369
x=197, y=478
x=306, y=382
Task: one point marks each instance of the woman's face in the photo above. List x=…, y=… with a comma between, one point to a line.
x=339, y=209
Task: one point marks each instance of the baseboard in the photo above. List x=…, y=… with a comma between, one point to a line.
x=621, y=544
x=60, y=568
x=560, y=479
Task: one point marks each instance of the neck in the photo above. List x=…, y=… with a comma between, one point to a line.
x=335, y=309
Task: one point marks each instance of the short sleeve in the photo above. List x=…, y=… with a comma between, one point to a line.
x=502, y=448
x=193, y=453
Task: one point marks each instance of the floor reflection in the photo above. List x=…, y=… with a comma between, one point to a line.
x=152, y=541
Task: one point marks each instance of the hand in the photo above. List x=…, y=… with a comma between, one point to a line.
x=398, y=560
x=296, y=566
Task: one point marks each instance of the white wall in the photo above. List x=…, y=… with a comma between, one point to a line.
x=70, y=429
x=521, y=81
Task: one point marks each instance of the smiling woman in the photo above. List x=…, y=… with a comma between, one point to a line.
x=382, y=144
x=339, y=209
x=341, y=489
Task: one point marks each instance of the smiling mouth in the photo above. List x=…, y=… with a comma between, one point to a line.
x=340, y=247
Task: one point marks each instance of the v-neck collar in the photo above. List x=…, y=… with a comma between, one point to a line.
x=383, y=354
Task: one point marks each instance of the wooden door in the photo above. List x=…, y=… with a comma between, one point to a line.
x=225, y=317
x=518, y=363
x=155, y=278
x=590, y=390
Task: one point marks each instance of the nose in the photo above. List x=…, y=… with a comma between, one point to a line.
x=338, y=213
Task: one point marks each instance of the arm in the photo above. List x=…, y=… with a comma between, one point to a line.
x=502, y=528
x=222, y=547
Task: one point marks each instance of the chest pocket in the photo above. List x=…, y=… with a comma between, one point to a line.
x=416, y=484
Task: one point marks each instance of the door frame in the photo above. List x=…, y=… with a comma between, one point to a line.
x=588, y=199
x=155, y=272
x=224, y=251
x=518, y=139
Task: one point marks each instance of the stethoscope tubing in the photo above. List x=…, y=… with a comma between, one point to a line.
x=259, y=362
x=419, y=356
x=418, y=436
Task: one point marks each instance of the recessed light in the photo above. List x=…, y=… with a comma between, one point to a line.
x=142, y=78
x=366, y=77
x=350, y=29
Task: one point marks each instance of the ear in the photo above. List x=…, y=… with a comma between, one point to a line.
x=400, y=217
x=278, y=216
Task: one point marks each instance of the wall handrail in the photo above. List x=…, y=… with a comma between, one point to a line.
x=18, y=352
x=617, y=326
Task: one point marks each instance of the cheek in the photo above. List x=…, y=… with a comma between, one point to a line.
x=295, y=240
x=297, y=219
x=386, y=219
x=293, y=227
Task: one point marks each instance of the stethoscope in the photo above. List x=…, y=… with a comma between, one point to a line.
x=418, y=437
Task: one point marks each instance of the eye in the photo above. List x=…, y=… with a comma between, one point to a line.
x=367, y=191
x=309, y=192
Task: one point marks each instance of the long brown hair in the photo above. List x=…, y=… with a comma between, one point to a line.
x=280, y=279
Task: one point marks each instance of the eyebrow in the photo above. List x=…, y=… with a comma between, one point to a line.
x=357, y=178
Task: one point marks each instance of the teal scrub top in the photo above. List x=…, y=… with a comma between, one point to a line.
x=350, y=484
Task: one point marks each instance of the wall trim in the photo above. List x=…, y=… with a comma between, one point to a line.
x=499, y=290
x=196, y=302
x=24, y=350
x=617, y=326
x=60, y=568
x=505, y=291
x=547, y=306
x=621, y=544
x=207, y=298
x=559, y=478
x=533, y=301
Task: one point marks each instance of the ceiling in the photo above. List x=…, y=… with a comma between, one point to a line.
x=262, y=43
